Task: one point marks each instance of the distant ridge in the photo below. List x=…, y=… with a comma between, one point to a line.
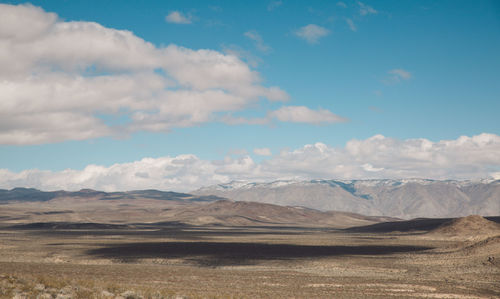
x=33, y=195
x=91, y=209
x=405, y=198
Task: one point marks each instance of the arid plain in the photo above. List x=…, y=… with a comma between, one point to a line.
x=87, y=247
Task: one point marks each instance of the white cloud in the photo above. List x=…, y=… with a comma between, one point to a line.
x=365, y=9
x=274, y=4
x=259, y=42
x=312, y=33
x=383, y=157
x=247, y=56
x=262, y=151
x=177, y=17
x=351, y=24
x=376, y=157
x=341, y=4
x=302, y=114
x=58, y=79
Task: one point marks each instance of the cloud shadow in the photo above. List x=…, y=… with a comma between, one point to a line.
x=213, y=254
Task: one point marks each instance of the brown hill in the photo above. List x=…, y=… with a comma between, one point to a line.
x=190, y=212
x=489, y=246
x=226, y=212
x=470, y=226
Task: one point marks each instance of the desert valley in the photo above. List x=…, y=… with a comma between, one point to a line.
x=153, y=244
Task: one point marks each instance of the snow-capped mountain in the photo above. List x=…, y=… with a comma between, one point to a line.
x=405, y=198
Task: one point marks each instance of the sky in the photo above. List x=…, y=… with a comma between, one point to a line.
x=176, y=95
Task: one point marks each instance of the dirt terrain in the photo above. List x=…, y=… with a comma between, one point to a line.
x=66, y=249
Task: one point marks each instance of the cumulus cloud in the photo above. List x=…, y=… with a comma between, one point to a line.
x=247, y=56
x=259, y=42
x=177, y=17
x=262, y=151
x=59, y=80
x=365, y=9
x=312, y=33
x=376, y=157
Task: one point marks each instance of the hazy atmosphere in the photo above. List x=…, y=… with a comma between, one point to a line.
x=176, y=95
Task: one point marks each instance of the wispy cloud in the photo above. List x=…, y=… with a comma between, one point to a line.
x=397, y=75
x=274, y=4
x=312, y=33
x=259, y=42
x=178, y=17
x=262, y=151
x=351, y=24
x=341, y=4
x=302, y=114
x=215, y=8
x=290, y=114
x=365, y=9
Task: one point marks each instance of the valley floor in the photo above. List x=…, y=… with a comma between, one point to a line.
x=168, y=260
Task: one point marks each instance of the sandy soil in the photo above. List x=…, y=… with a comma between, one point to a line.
x=174, y=260
x=239, y=262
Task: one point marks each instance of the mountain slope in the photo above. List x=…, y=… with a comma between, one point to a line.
x=409, y=198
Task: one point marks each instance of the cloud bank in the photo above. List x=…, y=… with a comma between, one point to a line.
x=65, y=80
x=376, y=157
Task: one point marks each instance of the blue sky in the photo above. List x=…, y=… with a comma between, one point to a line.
x=344, y=71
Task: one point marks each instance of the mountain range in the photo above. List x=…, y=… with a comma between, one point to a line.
x=407, y=198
